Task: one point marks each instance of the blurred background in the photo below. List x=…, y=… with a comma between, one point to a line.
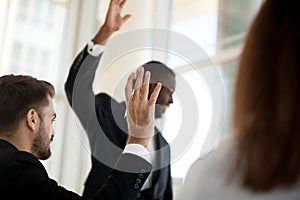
x=42, y=37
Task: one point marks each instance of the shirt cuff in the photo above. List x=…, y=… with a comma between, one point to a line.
x=137, y=149
x=95, y=49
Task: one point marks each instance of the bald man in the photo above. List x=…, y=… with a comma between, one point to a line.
x=110, y=114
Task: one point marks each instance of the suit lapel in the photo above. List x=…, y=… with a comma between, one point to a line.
x=160, y=177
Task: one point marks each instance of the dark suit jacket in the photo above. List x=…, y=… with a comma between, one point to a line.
x=110, y=117
x=22, y=176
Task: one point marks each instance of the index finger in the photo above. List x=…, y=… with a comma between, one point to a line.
x=128, y=86
x=154, y=94
x=145, y=87
x=138, y=82
x=122, y=3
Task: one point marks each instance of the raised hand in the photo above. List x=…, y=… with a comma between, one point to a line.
x=113, y=21
x=140, y=109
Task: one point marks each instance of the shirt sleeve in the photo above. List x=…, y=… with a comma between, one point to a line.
x=138, y=150
x=94, y=49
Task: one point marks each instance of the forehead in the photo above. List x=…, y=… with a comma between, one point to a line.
x=49, y=109
x=161, y=73
x=167, y=80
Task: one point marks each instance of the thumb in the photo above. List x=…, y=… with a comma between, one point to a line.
x=126, y=17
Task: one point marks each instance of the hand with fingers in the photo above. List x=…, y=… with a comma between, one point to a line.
x=113, y=21
x=140, y=109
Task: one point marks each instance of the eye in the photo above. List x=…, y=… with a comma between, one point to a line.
x=53, y=118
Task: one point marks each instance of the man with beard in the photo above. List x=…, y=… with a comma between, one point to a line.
x=26, y=132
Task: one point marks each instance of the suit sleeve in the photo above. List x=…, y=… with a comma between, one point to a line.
x=32, y=182
x=81, y=97
x=78, y=62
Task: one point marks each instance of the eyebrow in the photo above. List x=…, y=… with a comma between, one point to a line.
x=171, y=90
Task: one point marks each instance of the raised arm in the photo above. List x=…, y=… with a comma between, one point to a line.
x=79, y=87
x=113, y=22
x=93, y=52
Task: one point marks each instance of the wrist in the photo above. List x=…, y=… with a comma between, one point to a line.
x=103, y=35
x=136, y=140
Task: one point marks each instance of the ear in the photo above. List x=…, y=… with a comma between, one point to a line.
x=32, y=120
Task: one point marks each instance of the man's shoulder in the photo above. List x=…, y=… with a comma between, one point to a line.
x=105, y=99
x=18, y=158
x=14, y=164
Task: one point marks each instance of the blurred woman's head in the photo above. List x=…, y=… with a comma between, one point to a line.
x=266, y=107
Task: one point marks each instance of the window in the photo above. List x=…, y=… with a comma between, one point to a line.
x=219, y=28
x=33, y=33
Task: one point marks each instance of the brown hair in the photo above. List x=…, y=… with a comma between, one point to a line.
x=266, y=109
x=18, y=94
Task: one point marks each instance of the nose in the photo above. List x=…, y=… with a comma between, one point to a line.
x=52, y=137
x=53, y=134
x=171, y=99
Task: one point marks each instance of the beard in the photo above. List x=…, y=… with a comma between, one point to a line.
x=41, y=144
x=159, y=111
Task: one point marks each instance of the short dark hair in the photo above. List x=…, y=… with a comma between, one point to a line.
x=160, y=73
x=18, y=94
x=157, y=69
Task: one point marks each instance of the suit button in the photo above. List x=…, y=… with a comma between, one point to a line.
x=138, y=181
x=136, y=186
x=143, y=171
x=138, y=195
x=141, y=176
